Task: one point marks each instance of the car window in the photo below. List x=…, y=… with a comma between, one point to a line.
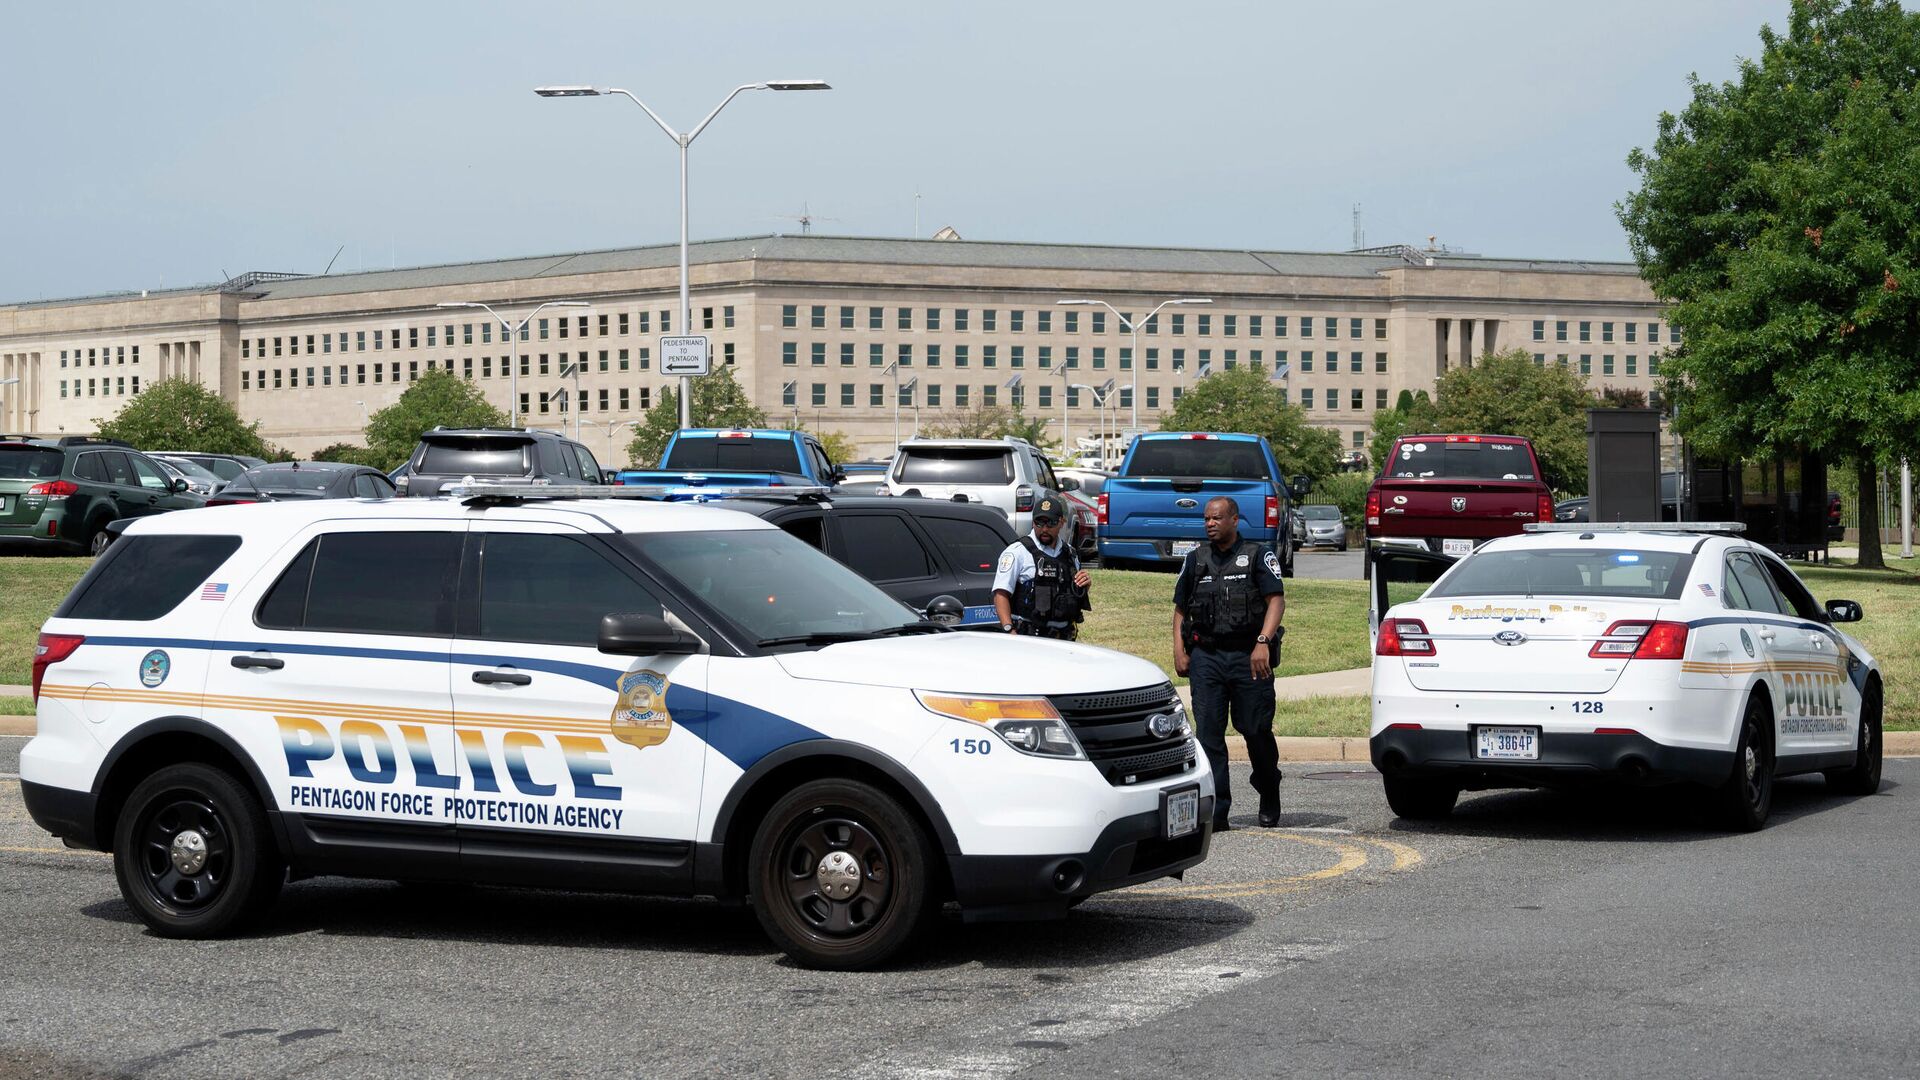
x=368, y=583
x=1653, y=575
x=1424, y=458
x=1043, y=473
x=553, y=462
x=1217, y=458
x=709, y=453
x=552, y=590
x=768, y=583
x=303, y=480
x=91, y=467
x=955, y=465
x=589, y=468
x=475, y=457
x=1755, y=592
x=881, y=547
x=143, y=577
x=811, y=529
x=224, y=468
x=149, y=474
x=971, y=546
x=1792, y=591
x=118, y=471
x=1320, y=513
x=29, y=463
x=363, y=487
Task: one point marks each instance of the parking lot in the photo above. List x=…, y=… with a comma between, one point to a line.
x=1341, y=942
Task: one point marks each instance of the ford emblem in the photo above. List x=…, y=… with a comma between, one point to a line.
x=1186, y=504
x=1510, y=637
x=1163, y=725
x=1459, y=504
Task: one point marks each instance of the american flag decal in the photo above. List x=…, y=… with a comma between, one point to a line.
x=214, y=590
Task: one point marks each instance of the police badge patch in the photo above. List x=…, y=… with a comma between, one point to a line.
x=1272, y=563
x=154, y=668
x=1240, y=560
x=640, y=717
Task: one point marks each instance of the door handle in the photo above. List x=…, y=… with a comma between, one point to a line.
x=510, y=678
x=265, y=663
x=1766, y=636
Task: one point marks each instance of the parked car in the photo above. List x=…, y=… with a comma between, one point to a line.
x=65, y=491
x=1835, y=529
x=1154, y=510
x=1451, y=493
x=1085, y=533
x=291, y=481
x=1297, y=527
x=1006, y=473
x=739, y=457
x=497, y=456
x=224, y=466
x=1324, y=526
x=1092, y=481
x=199, y=480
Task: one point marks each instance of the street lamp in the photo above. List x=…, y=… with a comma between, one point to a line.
x=364, y=418
x=572, y=367
x=791, y=391
x=512, y=330
x=683, y=141
x=1066, y=428
x=1133, y=330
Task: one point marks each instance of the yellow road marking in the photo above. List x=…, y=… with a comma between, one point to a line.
x=1404, y=857
x=1351, y=858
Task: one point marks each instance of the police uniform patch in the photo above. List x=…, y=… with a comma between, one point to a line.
x=1006, y=560
x=154, y=668
x=640, y=717
x=1272, y=563
x=1240, y=560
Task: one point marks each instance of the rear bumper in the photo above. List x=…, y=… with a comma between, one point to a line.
x=1566, y=759
x=1127, y=852
x=65, y=813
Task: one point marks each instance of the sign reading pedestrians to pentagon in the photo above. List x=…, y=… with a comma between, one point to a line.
x=684, y=356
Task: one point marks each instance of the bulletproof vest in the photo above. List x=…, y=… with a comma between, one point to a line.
x=1051, y=596
x=1226, y=601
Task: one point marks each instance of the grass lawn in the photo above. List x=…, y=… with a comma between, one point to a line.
x=16, y=706
x=1323, y=716
x=1891, y=627
x=30, y=588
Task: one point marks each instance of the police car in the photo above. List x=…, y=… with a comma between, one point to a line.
x=607, y=694
x=1645, y=653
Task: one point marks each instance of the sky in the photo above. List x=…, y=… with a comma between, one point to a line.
x=164, y=145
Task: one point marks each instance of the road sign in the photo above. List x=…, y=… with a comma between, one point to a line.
x=684, y=356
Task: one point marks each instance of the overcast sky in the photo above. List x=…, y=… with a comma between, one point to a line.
x=158, y=145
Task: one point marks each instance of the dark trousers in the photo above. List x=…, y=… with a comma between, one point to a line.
x=1222, y=682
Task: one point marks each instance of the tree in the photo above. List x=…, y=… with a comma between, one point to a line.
x=1506, y=393
x=1347, y=490
x=718, y=401
x=346, y=452
x=992, y=422
x=1409, y=414
x=175, y=414
x=1622, y=397
x=1776, y=215
x=839, y=446
x=438, y=398
x=1245, y=400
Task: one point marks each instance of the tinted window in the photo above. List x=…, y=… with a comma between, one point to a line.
x=118, y=471
x=555, y=461
x=955, y=465
x=1461, y=461
x=1795, y=594
x=285, y=605
x=1217, y=458
x=29, y=464
x=148, y=473
x=972, y=546
x=91, y=467
x=768, y=583
x=475, y=457
x=144, y=577
x=308, y=480
x=1753, y=591
x=589, y=468
x=1652, y=575
x=1320, y=513
x=383, y=583
x=552, y=589
x=733, y=455
x=881, y=547
x=223, y=468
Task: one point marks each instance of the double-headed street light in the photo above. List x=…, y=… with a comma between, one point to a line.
x=512, y=330
x=683, y=141
x=1133, y=329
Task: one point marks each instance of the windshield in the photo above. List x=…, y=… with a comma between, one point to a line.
x=291, y=479
x=29, y=463
x=475, y=457
x=1217, y=458
x=1320, y=513
x=188, y=468
x=955, y=465
x=1645, y=575
x=770, y=584
x=733, y=455
x=1420, y=460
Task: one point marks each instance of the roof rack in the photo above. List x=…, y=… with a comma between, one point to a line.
x=1636, y=526
x=90, y=440
x=496, y=494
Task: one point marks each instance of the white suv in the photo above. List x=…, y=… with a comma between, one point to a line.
x=608, y=694
x=1007, y=473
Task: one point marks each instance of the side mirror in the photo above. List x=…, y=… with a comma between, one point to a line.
x=628, y=633
x=1068, y=483
x=837, y=476
x=1300, y=485
x=609, y=476
x=1844, y=611
x=177, y=486
x=946, y=610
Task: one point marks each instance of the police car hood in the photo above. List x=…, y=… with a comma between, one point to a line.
x=975, y=662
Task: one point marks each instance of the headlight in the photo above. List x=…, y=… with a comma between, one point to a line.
x=1029, y=725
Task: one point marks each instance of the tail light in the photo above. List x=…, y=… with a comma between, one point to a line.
x=1100, y=509
x=1403, y=637
x=1373, y=508
x=1273, y=511
x=1639, y=639
x=223, y=500
x=1022, y=499
x=1544, y=511
x=617, y=482
x=51, y=649
x=55, y=488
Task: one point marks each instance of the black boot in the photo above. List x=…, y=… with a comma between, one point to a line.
x=1269, y=810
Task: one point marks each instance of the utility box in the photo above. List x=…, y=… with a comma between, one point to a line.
x=1623, y=464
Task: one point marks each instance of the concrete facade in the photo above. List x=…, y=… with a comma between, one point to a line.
x=310, y=357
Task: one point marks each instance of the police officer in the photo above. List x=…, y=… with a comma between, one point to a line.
x=1039, y=588
x=1227, y=605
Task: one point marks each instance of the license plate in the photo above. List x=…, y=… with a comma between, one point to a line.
x=1181, y=547
x=1182, y=812
x=1508, y=743
x=1456, y=547
x=4, y=507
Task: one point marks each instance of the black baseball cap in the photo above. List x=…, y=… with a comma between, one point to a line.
x=1047, y=510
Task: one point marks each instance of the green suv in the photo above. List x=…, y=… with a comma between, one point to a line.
x=66, y=490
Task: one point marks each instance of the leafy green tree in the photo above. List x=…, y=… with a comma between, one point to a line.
x=1347, y=490
x=1409, y=414
x=1776, y=214
x=992, y=422
x=175, y=414
x=1506, y=393
x=718, y=401
x=1245, y=400
x=438, y=398
x=346, y=452
x=839, y=445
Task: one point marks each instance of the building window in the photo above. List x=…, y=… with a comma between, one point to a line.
x=1017, y=356
x=1153, y=359
x=817, y=317
x=1606, y=331
x=1379, y=329
x=1606, y=364
x=1333, y=398
x=1633, y=364
x=1043, y=321
x=1072, y=322
x=905, y=358
x=642, y=319
x=1046, y=396
x=819, y=395
x=1045, y=358
x=846, y=316
x=1356, y=362
x=846, y=395
x=1353, y=329
x=1586, y=331
x=1179, y=323
x=988, y=319
x=1179, y=359
x=1560, y=330
x=933, y=395
x=817, y=354
x=1539, y=359
x=876, y=355
x=1306, y=326
x=961, y=396
x=1306, y=361
x=726, y=316
x=1653, y=363
x=646, y=358
x=1359, y=399
x=1586, y=363
x=1379, y=398
x=989, y=356
x=959, y=356
x=789, y=317
x=1673, y=335
x=933, y=356
x=1633, y=331
x=933, y=318
x=876, y=318
x=789, y=354
x=1253, y=325
x=905, y=318
x=876, y=395
x=1229, y=324
x=1153, y=397
x=726, y=353
x=1539, y=329
x=1073, y=356
x=846, y=354
x=989, y=393
x=1306, y=397
x=1016, y=320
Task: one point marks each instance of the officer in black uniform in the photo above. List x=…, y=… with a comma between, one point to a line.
x=1227, y=606
x=1038, y=587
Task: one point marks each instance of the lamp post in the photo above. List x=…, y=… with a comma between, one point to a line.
x=572, y=367
x=512, y=330
x=1066, y=427
x=683, y=141
x=1133, y=331
x=791, y=391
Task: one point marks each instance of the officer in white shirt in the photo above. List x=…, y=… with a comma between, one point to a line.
x=1039, y=588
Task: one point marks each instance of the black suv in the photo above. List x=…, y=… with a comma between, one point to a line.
x=66, y=490
x=447, y=456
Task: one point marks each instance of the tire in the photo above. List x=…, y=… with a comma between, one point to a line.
x=1863, y=778
x=843, y=825
x=1746, y=798
x=195, y=888
x=1342, y=547
x=1421, y=800
x=98, y=539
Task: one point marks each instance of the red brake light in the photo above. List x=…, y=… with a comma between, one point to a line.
x=1022, y=499
x=1403, y=637
x=1373, y=508
x=56, y=488
x=1100, y=505
x=1273, y=511
x=51, y=649
x=1196, y=435
x=1544, y=512
x=1639, y=639
x=1614, y=731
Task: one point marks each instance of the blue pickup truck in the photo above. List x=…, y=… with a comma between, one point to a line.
x=1153, y=511
x=732, y=457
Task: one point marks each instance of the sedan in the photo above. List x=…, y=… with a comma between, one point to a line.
x=1324, y=526
x=200, y=481
x=304, y=480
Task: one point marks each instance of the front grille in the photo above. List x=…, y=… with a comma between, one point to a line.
x=1112, y=728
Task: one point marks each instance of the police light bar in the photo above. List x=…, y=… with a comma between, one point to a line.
x=1636, y=526
x=485, y=492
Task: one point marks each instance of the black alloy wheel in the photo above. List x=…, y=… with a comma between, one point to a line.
x=1746, y=799
x=1863, y=776
x=192, y=854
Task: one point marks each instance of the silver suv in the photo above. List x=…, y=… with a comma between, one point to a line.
x=1006, y=473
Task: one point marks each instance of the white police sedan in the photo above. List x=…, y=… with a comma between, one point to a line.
x=1640, y=653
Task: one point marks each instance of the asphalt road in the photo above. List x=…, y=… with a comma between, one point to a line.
x=1535, y=934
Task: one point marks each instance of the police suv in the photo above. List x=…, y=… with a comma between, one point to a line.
x=592, y=693
x=1644, y=653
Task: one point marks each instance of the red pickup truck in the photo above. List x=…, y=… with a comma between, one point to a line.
x=1450, y=493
